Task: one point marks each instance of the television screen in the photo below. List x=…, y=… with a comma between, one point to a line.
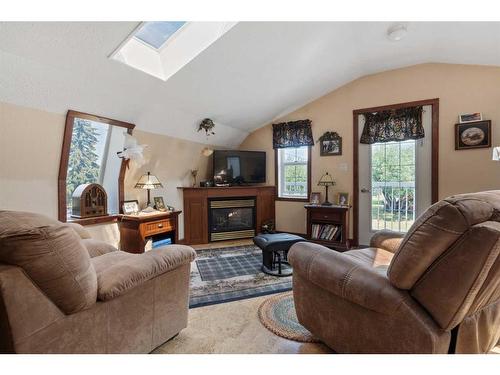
x=239, y=167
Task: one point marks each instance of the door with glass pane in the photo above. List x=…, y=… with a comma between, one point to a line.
x=394, y=182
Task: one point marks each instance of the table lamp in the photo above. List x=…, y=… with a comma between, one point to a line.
x=326, y=180
x=148, y=182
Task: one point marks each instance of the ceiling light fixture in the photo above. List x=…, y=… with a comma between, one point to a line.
x=396, y=32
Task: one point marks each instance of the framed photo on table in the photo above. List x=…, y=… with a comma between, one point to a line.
x=471, y=135
x=159, y=204
x=130, y=207
x=343, y=199
x=315, y=197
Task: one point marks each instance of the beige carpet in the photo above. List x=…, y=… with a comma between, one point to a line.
x=232, y=328
x=235, y=328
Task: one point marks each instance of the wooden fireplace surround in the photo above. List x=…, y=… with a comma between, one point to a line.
x=196, y=207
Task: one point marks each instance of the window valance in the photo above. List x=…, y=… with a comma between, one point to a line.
x=292, y=134
x=397, y=125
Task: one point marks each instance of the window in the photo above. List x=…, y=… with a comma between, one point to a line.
x=89, y=155
x=162, y=48
x=155, y=34
x=393, y=185
x=293, y=172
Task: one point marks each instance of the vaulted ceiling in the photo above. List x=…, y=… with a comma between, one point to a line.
x=253, y=74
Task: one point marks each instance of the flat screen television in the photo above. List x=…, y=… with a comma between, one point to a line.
x=239, y=167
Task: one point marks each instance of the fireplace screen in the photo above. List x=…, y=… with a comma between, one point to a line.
x=232, y=219
x=228, y=219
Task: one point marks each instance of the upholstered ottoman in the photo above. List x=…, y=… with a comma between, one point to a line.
x=275, y=248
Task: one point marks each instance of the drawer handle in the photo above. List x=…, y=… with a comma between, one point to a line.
x=160, y=225
x=325, y=216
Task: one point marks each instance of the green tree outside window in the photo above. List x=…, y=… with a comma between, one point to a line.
x=83, y=166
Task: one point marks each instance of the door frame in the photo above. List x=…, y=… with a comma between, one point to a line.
x=434, y=103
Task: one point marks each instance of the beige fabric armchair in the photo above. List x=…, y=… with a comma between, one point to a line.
x=435, y=290
x=63, y=292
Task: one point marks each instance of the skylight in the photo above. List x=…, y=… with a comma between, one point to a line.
x=156, y=33
x=153, y=49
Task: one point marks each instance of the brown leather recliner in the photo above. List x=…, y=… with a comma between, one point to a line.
x=63, y=292
x=435, y=290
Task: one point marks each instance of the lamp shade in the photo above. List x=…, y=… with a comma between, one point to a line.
x=207, y=152
x=496, y=154
x=149, y=182
x=326, y=180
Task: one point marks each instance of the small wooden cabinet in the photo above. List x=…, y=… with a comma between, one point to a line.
x=328, y=225
x=136, y=229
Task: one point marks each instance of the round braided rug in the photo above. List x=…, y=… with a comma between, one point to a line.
x=277, y=314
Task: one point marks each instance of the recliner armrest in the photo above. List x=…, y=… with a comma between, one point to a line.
x=96, y=248
x=387, y=240
x=24, y=308
x=79, y=229
x=346, y=277
x=135, y=270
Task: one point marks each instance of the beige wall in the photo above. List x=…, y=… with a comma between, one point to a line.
x=30, y=142
x=171, y=160
x=30, y=148
x=460, y=89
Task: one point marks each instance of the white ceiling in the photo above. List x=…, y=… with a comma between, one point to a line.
x=253, y=74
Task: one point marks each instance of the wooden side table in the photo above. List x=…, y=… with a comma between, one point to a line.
x=136, y=229
x=328, y=225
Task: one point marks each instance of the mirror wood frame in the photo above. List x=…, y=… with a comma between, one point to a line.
x=63, y=166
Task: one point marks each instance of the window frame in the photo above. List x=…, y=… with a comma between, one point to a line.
x=276, y=178
x=169, y=38
x=63, y=167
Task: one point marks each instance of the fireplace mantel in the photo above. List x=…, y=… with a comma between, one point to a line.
x=196, y=207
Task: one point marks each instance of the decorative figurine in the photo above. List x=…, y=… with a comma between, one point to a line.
x=208, y=126
x=194, y=173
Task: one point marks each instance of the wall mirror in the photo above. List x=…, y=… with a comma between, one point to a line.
x=89, y=155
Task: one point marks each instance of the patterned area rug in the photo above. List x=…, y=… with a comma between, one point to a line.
x=277, y=314
x=218, y=268
x=230, y=274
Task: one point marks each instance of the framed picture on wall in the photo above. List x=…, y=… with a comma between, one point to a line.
x=330, y=144
x=473, y=135
x=470, y=117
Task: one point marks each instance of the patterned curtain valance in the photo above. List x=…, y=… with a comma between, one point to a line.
x=388, y=126
x=292, y=134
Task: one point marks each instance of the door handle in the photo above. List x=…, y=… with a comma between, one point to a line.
x=365, y=190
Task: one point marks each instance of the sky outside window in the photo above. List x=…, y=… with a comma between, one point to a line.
x=157, y=33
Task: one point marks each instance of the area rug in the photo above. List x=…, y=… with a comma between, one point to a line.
x=218, y=268
x=230, y=274
x=277, y=314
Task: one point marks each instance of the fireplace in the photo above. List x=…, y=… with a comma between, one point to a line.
x=231, y=218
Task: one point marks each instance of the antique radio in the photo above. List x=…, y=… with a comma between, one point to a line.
x=89, y=200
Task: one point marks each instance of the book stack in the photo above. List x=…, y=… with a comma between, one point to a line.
x=326, y=232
